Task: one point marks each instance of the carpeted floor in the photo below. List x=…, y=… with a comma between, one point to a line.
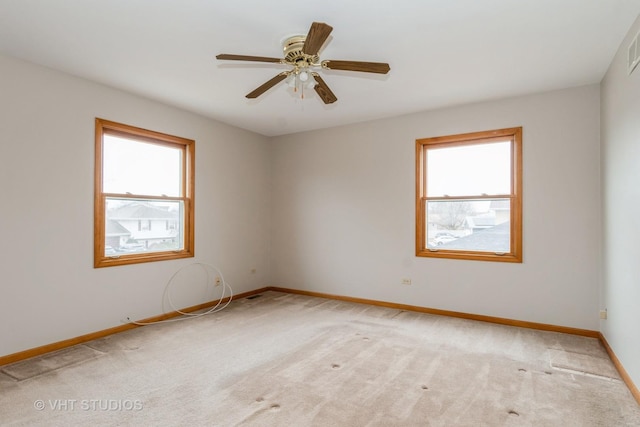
x=291, y=360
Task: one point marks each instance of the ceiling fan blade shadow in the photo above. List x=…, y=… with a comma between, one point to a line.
x=318, y=34
x=229, y=57
x=365, y=67
x=266, y=86
x=323, y=90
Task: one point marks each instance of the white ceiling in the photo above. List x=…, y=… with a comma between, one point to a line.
x=441, y=52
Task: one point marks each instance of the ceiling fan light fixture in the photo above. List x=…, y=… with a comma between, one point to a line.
x=291, y=80
x=298, y=79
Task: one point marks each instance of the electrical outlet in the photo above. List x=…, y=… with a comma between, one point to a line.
x=406, y=281
x=603, y=314
x=218, y=281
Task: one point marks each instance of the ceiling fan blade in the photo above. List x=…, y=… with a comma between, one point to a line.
x=365, y=67
x=323, y=90
x=318, y=34
x=266, y=86
x=227, y=56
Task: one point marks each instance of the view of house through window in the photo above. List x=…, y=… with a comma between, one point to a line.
x=141, y=226
x=144, y=195
x=469, y=196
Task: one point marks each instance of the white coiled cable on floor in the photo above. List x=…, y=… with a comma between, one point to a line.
x=167, y=294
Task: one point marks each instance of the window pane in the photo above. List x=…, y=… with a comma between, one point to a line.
x=469, y=170
x=471, y=225
x=132, y=166
x=135, y=226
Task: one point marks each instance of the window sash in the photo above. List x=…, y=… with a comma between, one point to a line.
x=152, y=229
x=486, y=225
x=454, y=171
x=126, y=156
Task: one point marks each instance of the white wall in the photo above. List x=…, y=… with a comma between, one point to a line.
x=343, y=212
x=621, y=208
x=330, y=211
x=49, y=290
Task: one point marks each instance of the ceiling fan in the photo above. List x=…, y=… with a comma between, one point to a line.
x=301, y=53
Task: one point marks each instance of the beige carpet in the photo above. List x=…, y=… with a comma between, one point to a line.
x=290, y=360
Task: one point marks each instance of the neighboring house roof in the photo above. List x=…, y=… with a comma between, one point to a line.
x=113, y=228
x=482, y=221
x=500, y=205
x=488, y=219
x=138, y=210
x=494, y=239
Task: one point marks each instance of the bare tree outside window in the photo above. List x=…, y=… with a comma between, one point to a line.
x=450, y=215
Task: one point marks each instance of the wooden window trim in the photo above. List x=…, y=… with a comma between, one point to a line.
x=187, y=194
x=515, y=135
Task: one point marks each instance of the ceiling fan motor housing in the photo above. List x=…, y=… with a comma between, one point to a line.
x=293, y=54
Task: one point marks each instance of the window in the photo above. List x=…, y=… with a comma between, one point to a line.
x=144, y=180
x=469, y=196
